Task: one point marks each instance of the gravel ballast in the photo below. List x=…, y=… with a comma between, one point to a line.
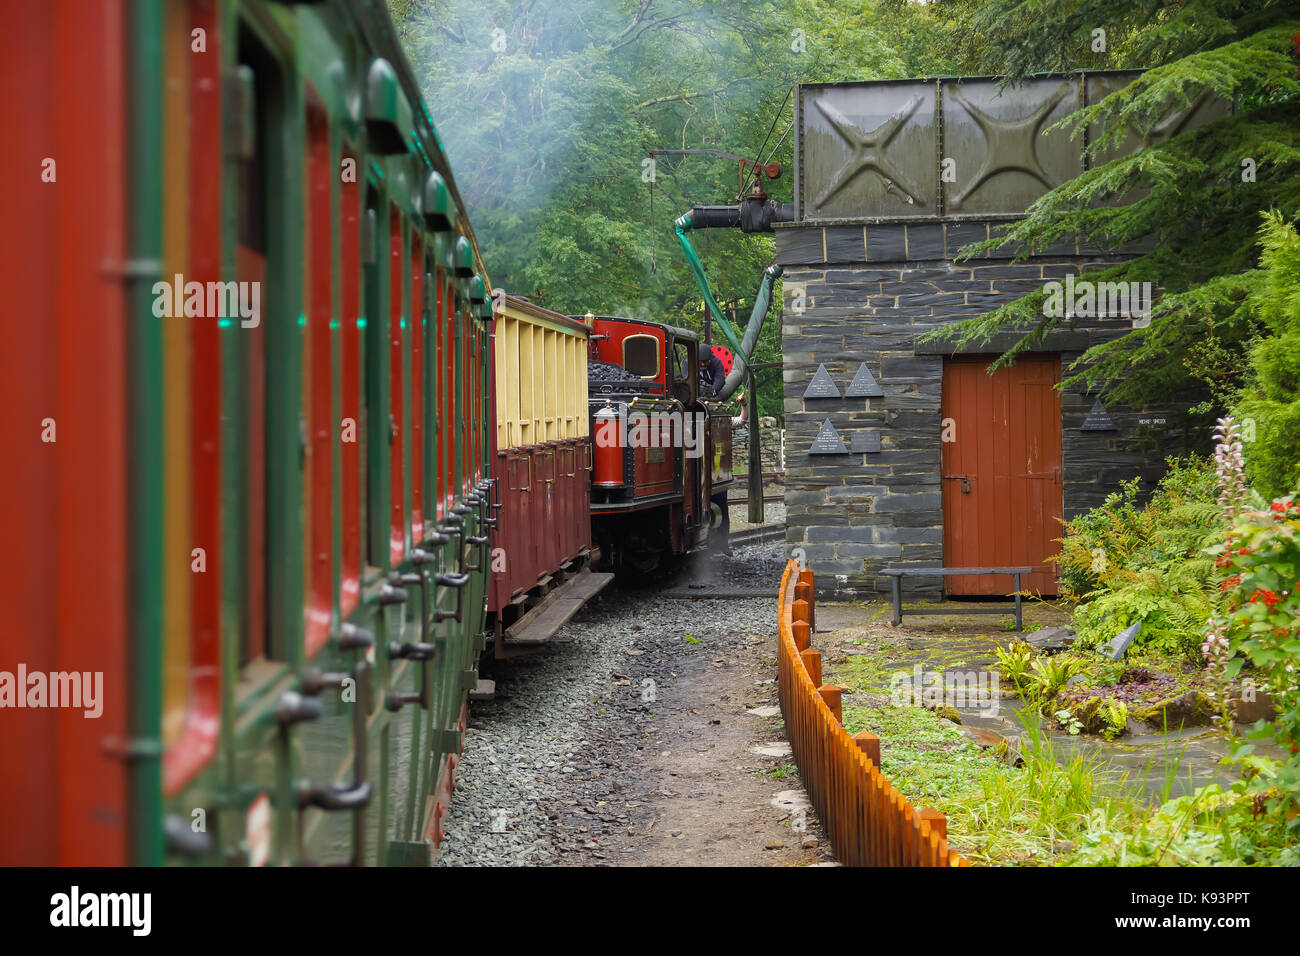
x=581, y=755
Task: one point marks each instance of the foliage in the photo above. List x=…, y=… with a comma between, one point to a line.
x=1015, y=661
x=547, y=111
x=1035, y=813
x=1070, y=723
x=1208, y=827
x=1127, y=561
x=1171, y=611
x=1047, y=675
x=997, y=814
x=1261, y=563
x=1190, y=192
x=1113, y=715
x=1271, y=398
x=1110, y=545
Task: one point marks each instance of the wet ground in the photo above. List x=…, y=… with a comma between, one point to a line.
x=1159, y=765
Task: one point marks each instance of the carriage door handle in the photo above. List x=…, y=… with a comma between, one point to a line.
x=965, y=482
x=458, y=582
x=335, y=796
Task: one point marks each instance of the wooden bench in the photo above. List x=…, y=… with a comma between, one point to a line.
x=899, y=573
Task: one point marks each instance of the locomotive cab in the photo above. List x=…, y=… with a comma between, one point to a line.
x=662, y=452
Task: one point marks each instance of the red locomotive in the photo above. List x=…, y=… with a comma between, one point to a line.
x=662, y=451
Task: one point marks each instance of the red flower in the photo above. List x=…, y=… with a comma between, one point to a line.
x=1268, y=597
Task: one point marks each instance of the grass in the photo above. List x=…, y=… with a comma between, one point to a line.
x=1053, y=809
x=997, y=814
x=1037, y=813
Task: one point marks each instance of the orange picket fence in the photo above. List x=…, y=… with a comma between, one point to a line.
x=868, y=821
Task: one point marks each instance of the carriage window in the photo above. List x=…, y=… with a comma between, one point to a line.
x=255, y=261
x=641, y=355
x=686, y=375
x=373, y=342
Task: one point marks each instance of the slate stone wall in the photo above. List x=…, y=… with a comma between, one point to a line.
x=770, y=445
x=868, y=293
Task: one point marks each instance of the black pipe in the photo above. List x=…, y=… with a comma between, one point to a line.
x=752, y=215
x=715, y=217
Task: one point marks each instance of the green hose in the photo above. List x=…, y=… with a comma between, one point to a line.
x=693, y=260
x=742, y=350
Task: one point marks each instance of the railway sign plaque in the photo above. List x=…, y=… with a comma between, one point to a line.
x=867, y=441
x=828, y=441
x=822, y=385
x=864, y=384
x=1098, y=420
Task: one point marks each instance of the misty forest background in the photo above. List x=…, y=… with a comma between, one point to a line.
x=547, y=109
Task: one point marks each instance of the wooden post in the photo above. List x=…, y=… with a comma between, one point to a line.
x=938, y=822
x=802, y=634
x=801, y=611
x=869, y=744
x=831, y=694
x=812, y=663
x=806, y=577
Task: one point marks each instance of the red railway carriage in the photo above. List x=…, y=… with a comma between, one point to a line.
x=64, y=338
x=248, y=523
x=661, y=451
x=542, y=460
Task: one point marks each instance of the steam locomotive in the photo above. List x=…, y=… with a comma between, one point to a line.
x=607, y=460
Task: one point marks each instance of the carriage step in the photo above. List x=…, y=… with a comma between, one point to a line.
x=538, y=625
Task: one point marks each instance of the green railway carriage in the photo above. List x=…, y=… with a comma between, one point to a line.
x=282, y=301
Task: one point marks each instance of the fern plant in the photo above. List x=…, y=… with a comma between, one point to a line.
x=1129, y=561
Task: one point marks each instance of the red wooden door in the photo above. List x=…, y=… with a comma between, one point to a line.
x=1002, y=480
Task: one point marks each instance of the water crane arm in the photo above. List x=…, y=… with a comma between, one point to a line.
x=742, y=347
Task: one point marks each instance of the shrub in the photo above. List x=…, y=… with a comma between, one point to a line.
x=1172, y=609
x=1129, y=562
x=1107, y=547
x=1260, y=625
x=1271, y=399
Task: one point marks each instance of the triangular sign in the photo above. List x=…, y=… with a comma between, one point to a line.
x=1098, y=420
x=864, y=385
x=821, y=386
x=828, y=441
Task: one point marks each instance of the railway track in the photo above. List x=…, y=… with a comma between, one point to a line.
x=711, y=589
x=758, y=535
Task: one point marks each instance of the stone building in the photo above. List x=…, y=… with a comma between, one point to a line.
x=902, y=452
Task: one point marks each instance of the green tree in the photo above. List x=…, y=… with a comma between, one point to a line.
x=1199, y=194
x=548, y=109
x=1271, y=396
